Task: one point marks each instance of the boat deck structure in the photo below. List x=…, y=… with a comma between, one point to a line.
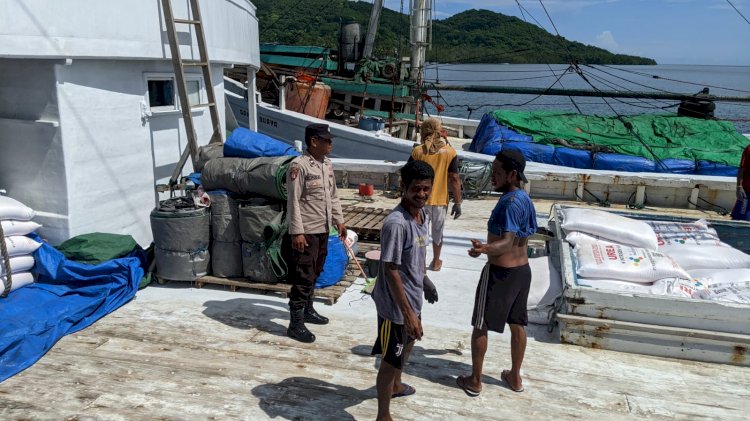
x=178, y=352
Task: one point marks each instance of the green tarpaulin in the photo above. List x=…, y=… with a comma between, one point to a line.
x=661, y=136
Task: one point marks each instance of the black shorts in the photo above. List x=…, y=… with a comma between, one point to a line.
x=391, y=342
x=501, y=297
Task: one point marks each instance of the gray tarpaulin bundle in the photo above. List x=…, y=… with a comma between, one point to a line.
x=207, y=153
x=253, y=176
x=226, y=244
x=181, y=237
x=256, y=259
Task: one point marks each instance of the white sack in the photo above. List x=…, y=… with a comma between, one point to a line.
x=731, y=293
x=692, y=257
x=18, y=264
x=19, y=245
x=19, y=280
x=611, y=227
x=13, y=227
x=13, y=209
x=576, y=237
x=604, y=260
x=681, y=233
x=686, y=288
x=722, y=277
x=656, y=288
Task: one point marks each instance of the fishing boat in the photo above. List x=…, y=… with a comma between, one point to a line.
x=89, y=153
x=610, y=178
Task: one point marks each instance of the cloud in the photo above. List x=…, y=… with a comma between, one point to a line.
x=607, y=41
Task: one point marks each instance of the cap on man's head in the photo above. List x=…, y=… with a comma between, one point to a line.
x=516, y=160
x=318, y=130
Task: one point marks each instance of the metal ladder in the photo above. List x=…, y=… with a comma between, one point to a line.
x=179, y=71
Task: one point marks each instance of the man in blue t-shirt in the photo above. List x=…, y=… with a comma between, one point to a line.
x=504, y=285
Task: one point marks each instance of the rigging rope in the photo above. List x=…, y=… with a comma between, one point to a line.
x=738, y=11
x=653, y=76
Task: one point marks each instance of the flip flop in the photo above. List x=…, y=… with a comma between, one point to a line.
x=408, y=390
x=504, y=376
x=471, y=392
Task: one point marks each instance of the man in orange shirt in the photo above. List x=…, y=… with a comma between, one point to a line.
x=741, y=209
x=435, y=150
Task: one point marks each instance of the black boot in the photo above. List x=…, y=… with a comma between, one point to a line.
x=312, y=316
x=297, y=329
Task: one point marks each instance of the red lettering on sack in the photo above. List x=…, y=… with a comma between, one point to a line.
x=611, y=252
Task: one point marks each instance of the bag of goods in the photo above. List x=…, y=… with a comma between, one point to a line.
x=686, y=288
x=657, y=288
x=605, y=260
x=13, y=209
x=12, y=227
x=18, y=245
x=615, y=228
x=576, y=237
x=722, y=277
x=692, y=257
x=18, y=264
x=19, y=280
x=681, y=233
x=731, y=293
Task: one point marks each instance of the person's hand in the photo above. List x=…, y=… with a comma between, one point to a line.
x=456, y=210
x=741, y=195
x=430, y=292
x=342, y=231
x=413, y=325
x=476, y=248
x=299, y=242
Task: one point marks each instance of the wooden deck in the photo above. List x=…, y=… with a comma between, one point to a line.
x=365, y=221
x=329, y=295
x=225, y=356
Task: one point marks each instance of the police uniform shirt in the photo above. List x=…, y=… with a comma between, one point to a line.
x=312, y=204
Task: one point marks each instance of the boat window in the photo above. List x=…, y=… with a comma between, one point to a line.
x=161, y=93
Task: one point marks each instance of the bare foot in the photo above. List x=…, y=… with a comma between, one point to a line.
x=436, y=265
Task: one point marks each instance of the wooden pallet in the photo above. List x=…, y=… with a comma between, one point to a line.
x=329, y=295
x=366, y=222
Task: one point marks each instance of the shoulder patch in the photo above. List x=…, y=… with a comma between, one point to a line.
x=294, y=172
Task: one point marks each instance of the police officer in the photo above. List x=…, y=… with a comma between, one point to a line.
x=313, y=208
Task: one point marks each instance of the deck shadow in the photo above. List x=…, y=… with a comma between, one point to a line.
x=423, y=364
x=249, y=313
x=297, y=398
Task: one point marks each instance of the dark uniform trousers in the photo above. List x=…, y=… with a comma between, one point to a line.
x=304, y=267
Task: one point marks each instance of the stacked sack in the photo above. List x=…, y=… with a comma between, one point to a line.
x=261, y=255
x=15, y=220
x=246, y=181
x=717, y=270
x=655, y=257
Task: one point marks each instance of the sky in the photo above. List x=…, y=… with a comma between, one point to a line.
x=708, y=32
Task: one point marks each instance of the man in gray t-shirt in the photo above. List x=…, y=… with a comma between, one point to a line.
x=406, y=247
x=401, y=283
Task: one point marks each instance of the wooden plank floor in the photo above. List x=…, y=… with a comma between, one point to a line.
x=226, y=356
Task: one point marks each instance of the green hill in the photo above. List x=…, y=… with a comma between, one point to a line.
x=472, y=36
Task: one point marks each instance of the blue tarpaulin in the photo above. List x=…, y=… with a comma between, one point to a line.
x=490, y=136
x=67, y=297
x=335, y=266
x=244, y=143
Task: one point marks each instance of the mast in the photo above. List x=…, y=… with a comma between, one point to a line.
x=372, y=28
x=419, y=36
